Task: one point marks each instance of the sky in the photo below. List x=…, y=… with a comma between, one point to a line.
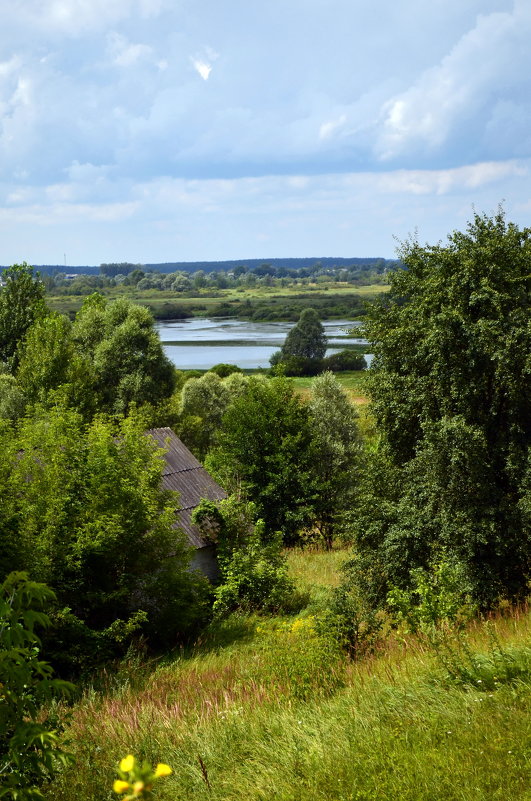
x=184, y=130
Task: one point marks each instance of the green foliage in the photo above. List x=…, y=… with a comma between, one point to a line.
x=257, y=700
x=21, y=303
x=224, y=370
x=204, y=401
x=30, y=750
x=266, y=450
x=437, y=598
x=295, y=366
x=254, y=577
x=344, y=360
x=298, y=366
x=12, y=400
x=307, y=338
x=306, y=657
x=83, y=510
x=108, y=360
x=480, y=671
x=253, y=569
x=356, y=625
x=450, y=386
x=334, y=428
x=51, y=368
x=125, y=352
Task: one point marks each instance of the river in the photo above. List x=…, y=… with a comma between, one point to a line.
x=200, y=343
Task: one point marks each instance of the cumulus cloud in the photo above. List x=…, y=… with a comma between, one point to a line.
x=312, y=111
x=124, y=53
x=328, y=129
x=79, y=17
x=456, y=95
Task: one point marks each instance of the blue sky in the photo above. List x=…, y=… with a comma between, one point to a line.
x=162, y=130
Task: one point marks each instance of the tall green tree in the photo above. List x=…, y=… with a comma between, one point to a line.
x=450, y=391
x=307, y=339
x=51, y=367
x=333, y=420
x=21, y=303
x=266, y=451
x=204, y=401
x=127, y=357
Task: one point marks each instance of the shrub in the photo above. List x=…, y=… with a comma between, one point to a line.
x=223, y=370
x=344, y=360
x=29, y=747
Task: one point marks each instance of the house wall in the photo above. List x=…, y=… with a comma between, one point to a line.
x=205, y=560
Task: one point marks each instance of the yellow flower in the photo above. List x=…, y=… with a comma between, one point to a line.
x=119, y=786
x=163, y=770
x=138, y=787
x=127, y=763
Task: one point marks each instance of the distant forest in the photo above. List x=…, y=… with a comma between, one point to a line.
x=328, y=262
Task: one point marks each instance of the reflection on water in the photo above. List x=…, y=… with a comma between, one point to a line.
x=201, y=343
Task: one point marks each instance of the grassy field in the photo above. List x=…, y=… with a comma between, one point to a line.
x=353, y=381
x=265, y=709
x=166, y=304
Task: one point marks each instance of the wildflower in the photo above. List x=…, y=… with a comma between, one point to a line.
x=163, y=770
x=138, y=787
x=120, y=787
x=127, y=763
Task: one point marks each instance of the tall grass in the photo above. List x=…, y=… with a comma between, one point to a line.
x=232, y=723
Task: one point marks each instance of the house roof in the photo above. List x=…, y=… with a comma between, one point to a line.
x=186, y=475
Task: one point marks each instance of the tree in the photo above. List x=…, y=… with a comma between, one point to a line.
x=21, y=303
x=82, y=509
x=50, y=366
x=266, y=451
x=127, y=358
x=204, y=401
x=307, y=338
x=450, y=391
x=335, y=430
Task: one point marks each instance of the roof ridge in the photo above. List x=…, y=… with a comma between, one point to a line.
x=187, y=470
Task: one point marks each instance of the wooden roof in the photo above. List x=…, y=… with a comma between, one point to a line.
x=186, y=475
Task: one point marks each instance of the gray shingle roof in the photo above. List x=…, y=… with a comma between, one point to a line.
x=185, y=474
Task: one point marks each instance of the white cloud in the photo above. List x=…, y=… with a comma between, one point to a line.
x=325, y=116
x=441, y=182
x=124, y=53
x=487, y=60
x=328, y=129
x=202, y=68
x=78, y=17
x=58, y=213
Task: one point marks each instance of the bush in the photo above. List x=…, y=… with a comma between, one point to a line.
x=254, y=577
x=295, y=366
x=253, y=571
x=223, y=370
x=82, y=510
x=344, y=360
x=29, y=747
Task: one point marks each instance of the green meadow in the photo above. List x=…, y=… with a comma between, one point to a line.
x=166, y=304
x=268, y=708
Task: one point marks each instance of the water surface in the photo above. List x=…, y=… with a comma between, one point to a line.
x=200, y=343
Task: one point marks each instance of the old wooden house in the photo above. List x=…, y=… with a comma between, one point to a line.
x=186, y=475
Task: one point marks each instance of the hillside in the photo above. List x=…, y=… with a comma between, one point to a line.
x=266, y=708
